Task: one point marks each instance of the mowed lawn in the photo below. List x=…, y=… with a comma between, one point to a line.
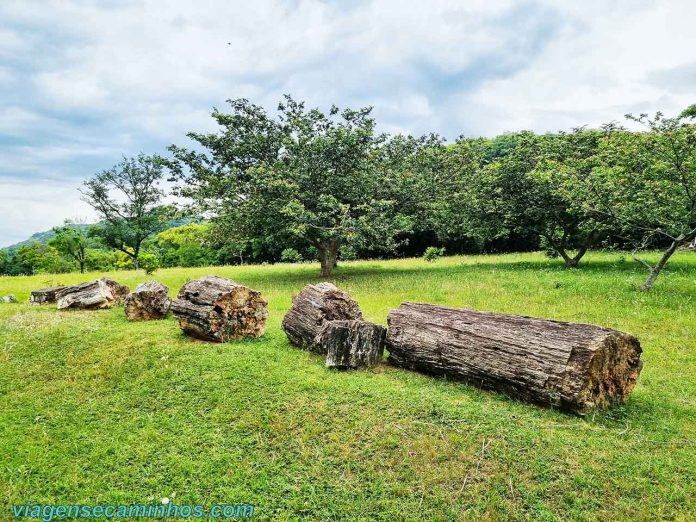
x=94, y=409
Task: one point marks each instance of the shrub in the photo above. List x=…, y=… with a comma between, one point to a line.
x=433, y=253
x=148, y=262
x=290, y=255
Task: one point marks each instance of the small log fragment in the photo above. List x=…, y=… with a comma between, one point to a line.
x=118, y=291
x=217, y=309
x=148, y=301
x=9, y=298
x=311, y=308
x=45, y=295
x=572, y=366
x=92, y=295
x=352, y=344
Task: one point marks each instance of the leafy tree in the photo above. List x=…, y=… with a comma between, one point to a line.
x=149, y=262
x=71, y=241
x=303, y=177
x=186, y=245
x=35, y=257
x=646, y=183
x=527, y=188
x=128, y=200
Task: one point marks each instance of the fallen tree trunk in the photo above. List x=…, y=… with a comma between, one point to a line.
x=45, y=295
x=352, y=344
x=149, y=300
x=217, y=309
x=571, y=366
x=93, y=295
x=312, y=308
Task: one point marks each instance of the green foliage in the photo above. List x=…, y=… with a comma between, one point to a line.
x=186, y=245
x=303, y=177
x=290, y=255
x=149, y=262
x=128, y=200
x=72, y=242
x=433, y=253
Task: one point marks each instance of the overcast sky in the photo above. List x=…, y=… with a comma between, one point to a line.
x=83, y=82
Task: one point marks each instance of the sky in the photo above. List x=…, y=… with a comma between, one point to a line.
x=83, y=82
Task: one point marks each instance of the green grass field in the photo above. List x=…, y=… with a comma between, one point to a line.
x=94, y=409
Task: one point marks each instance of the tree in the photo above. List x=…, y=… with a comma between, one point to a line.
x=185, y=245
x=646, y=183
x=525, y=187
x=304, y=177
x=35, y=257
x=71, y=241
x=128, y=200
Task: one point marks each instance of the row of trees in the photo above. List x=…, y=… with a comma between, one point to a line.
x=303, y=184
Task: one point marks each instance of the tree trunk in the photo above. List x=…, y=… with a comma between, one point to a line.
x=655, y=271
x=148, y=301
x=135, y=262
x=571, y=366
x=572, y=262
x=217, y=309
x=328, y=257
x=312, y=308
x=44, y=295
x=93, y=295
x=353, y=344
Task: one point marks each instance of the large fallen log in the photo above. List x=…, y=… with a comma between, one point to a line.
x=571, y=366
x=44, y=295
x=352, y=344
x=149, y=300
x=310, y=310
x=92, y=295
x=217, y=309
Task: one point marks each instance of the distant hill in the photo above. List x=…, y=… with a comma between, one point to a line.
x=46, y=235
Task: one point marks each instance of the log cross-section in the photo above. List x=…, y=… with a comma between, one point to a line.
x=572, y=366
x=312, y=308
x=217, y=309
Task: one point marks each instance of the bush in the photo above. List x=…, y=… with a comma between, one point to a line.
x=433, y=253
x=290, y=255
x=148, y=262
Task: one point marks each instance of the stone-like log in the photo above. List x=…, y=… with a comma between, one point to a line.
x=352, y=344
x=571, y=366
x=45, y=295
x=9, y=298
x=148, y=301
x=311, y=308
x=217, y=309
x=93, y=295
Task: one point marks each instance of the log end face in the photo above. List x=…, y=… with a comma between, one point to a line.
x=352, y=344
x=613, y=371
x=149, y=301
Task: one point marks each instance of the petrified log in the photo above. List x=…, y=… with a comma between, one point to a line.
x=45, y=295
x=352, y=344
x=311, y=308
x=217, y=309
x=571, y=366
x=9, y=298
x=148, y=301
x=93, y=295
x=118, y=291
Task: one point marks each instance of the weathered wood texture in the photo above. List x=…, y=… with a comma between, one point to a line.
x=571, y=366
x=149, y=300
x=217, y=309
x=9, y=298
x=92, y=295
x=45, y=295
x=352, y=344
x=311, y=308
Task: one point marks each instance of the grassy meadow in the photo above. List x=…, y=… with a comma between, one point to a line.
x=94, y=409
